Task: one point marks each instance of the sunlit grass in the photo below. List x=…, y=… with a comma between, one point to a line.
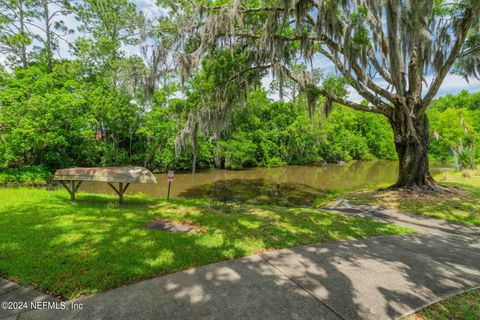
x=465, y=306
x=72, y=249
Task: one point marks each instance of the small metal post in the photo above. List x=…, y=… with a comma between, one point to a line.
x=170, y=176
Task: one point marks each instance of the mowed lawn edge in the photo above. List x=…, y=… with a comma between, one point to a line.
x=463, y=306
x=73, y=249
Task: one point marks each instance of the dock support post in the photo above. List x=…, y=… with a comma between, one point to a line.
x=74, y=185
x=120, y=191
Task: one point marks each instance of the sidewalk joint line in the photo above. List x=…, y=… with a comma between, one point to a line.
x=11, y=290
x=303, y=288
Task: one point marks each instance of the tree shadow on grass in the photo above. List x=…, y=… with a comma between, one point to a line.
x=70, y=249
x=374, y=278
x=85, y=248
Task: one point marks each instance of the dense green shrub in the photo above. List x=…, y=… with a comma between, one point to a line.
x=455, y=129
x=236, y=152
x=26, y=176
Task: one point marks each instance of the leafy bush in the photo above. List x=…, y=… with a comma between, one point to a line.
x=455, y=129
x=236, y=153
x=27, y=176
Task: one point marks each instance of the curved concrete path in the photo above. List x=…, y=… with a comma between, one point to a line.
x=372, y=278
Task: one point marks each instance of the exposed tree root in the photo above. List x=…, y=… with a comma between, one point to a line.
x=428, y=186
x=426, y=190
x=417, y=189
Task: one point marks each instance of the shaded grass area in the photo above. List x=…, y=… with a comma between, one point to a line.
x=465, y=306
x=72, y=249
x=461, y=204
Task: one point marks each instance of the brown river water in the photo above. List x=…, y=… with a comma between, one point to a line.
x=292, y=185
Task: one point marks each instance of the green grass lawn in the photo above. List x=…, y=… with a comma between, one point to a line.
x=461, y=205
x=72, y=249
x=465, y=306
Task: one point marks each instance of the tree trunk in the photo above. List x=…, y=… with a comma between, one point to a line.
x=48, y=39
x=411, y=135
x=23, y=47
x=195, y=147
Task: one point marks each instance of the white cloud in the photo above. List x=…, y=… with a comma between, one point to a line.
x=150, y=8
x=454, y=84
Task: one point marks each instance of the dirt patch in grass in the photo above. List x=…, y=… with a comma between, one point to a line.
x=168, y=225
x=393, y=198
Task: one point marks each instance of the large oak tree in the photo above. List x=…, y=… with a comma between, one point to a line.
x=394, y=53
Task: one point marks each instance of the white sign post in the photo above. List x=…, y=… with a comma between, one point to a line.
x=170, y=176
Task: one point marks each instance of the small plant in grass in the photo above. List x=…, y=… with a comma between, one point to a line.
x=467, y=173
x=445, y=176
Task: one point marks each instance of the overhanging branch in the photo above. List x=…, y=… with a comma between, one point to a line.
x=380, y=109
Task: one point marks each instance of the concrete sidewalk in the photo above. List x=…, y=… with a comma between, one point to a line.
x=12, y=292
x=373, y=278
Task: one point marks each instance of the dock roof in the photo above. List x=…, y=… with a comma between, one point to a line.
x=107, y=174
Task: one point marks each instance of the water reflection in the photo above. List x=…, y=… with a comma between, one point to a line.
x=276, y=184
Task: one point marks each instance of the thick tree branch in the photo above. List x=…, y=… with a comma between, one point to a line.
x=414, y=78
x=374, y=62
x=358, y=85
x=333, y=46
x=379, y=109
x=360, y=107
x=394, y=51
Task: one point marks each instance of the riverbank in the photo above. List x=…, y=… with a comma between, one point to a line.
x=27, y=176
x=73, y=249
